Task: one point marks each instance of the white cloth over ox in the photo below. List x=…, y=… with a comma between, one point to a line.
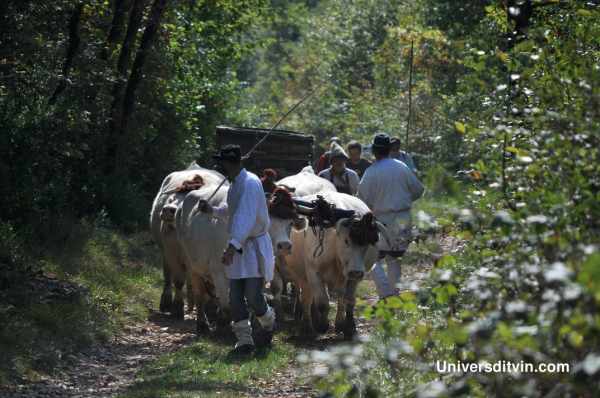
x=248, y=226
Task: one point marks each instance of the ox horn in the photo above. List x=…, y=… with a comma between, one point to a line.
x=304, y=210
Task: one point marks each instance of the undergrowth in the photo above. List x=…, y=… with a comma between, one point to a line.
x=61, y=299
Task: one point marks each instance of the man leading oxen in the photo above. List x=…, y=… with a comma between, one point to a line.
x=248, y=258
x=389, y=188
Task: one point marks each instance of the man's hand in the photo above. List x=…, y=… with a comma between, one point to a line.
x=203, y=207
x=228, y=254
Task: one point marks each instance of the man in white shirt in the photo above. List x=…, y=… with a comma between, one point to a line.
x=344, y=179
x=248, y=259
x=389, y=188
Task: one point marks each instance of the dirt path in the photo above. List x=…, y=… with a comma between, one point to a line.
x=104, y=371
x=107, y=370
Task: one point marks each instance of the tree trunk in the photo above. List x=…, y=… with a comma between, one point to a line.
x=156, y=13
x=520, y=13
x=135, y=21
x=116, y=27
x=74, y=41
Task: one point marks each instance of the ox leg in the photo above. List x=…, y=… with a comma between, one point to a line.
x=189, y=292
x=200, y=294
x=297, y=303
x=321, y=308
x=310, y=291
x=211, y=308
x=276, y=290
x=293, y=293
x=306, y=325
x=350, y=301
x=179, y=281
x=340, y=315
x=166, y=298
x=224, y=312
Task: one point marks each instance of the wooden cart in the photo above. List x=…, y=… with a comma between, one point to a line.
x=286, y=152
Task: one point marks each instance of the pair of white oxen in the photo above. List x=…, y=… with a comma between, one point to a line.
x=192, y=244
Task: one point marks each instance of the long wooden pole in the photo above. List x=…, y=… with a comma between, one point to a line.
x=410, y=79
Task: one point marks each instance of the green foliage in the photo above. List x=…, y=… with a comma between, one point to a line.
x=525, y=288
x=55, y=146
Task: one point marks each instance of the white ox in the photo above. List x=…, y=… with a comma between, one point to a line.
x=336, y=266
x=162, y=227
x=203, y=238
x=302, y=184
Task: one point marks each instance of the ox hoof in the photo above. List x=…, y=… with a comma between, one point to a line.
x=349, y=331
x=322, y=326
x=297, y=313
x=211, y=309
x=263, y=338
x=321, y=319
x=177, y=310
x=202, y=329
x=223, y=329
x=307, y=331
x=278, y=308
x=166, y=301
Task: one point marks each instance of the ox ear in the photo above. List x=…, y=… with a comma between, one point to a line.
x=384, y=232
x=342, y=223
x=300, y=223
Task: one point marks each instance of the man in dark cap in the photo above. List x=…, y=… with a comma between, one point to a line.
x=325, y=160
x=356, y=161
x=396, y=153
x=248, y=258
x=389, y=188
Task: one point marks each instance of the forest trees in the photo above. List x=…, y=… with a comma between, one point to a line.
x=100, y=99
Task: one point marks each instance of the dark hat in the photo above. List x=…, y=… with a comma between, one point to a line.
x=231, y=153
x=395, y=141
x=354, y=144
x=381, y=140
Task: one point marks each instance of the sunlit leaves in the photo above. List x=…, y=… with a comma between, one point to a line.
x=589, y=275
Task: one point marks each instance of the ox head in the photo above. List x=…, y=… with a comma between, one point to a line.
x=167, y=213
x=354, y=236
x=175, y=198
x=284, y=217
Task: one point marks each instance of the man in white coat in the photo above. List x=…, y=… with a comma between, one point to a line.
x=248, y=258
x=389, y=188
